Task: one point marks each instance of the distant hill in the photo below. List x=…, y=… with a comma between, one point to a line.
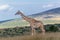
x=6, y=20
x=49, y=13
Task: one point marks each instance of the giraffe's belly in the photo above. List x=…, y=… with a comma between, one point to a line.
x=37, y=25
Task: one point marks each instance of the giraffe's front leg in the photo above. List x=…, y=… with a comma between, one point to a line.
x=32, y=29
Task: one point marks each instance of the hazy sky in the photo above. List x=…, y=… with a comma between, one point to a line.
x=9, y=7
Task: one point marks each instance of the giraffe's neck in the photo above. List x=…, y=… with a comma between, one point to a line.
x=22, y=15
x=25, y=18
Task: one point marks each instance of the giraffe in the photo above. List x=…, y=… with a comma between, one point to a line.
x=33, y=22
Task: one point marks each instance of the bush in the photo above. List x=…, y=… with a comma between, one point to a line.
x=53, y=28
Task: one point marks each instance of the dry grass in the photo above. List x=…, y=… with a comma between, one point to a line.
x=47, y=36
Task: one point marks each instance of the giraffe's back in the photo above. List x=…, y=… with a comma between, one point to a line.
x=37, y=24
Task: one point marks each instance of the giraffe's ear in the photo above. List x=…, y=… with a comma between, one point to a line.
x=17, y=12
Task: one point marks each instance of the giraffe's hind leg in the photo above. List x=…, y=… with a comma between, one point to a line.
x=41, y=26
x=42, y=29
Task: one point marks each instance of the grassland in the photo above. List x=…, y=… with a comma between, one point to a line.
x=22, y=23
x=47, y=36
x=13, y=23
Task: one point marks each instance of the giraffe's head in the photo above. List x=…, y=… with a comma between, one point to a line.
x=19, y=13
